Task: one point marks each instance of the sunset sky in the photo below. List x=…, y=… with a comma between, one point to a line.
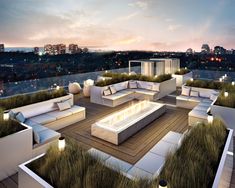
x=172, y=25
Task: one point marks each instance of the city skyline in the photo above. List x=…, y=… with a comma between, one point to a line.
x=119, y=25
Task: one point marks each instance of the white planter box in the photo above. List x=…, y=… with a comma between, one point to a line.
x=28, y=179
x=15, y=149
x=223, y=175
x=182, y=79
x=226, y=114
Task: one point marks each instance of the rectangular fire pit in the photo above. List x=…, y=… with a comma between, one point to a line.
x=119, y=126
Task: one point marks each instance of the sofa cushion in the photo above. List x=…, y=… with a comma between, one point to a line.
x=133, y=84
x=145, y=92
x=145, y=85
x=20, y=117
x=182, y=97
x=64, y=105
x=194, y=93
x=35, y=126
x=112, y=90
x=213, y=97
x=107, y=92
x=204, y=94
x=43, y=119
x=156, y=87
x=185, y=91
x=201, y=108
x=120, y=86
x=76, y=109
x=48, y=134
x=12, y=114
x=120, y=94
x=195, y=99
x=207, y=101
x=60, y=114
x=198, y=113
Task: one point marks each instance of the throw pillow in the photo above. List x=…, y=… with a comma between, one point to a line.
x=64, y=105
x=132, y=84
x=112, y=89
x=185, y=91
x=194, y=93
x=107, y=92
x=20, y=117
x=12, y=115
x=36, y=137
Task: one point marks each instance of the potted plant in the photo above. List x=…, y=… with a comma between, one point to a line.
x=182, y=76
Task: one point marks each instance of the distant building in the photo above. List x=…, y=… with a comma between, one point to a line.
x=74, y=49
x=85, y=50
x=55, y=49
x=189, y=51
x=219, y=50
x=36, y=50
x=1, y=47
x=205, y=49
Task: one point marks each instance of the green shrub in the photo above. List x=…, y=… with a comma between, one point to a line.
x=226, y=101
x=182, y=71
x=26, y=99
x=207, y=84
x=195, y=163
x=74, y=167
x=117, y=77
x=9, y=127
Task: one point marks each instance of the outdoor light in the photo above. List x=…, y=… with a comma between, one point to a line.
x=89, y=82
x=185, y=68
x=106, y=71
x=61, y=143
x=233, y=83
x=6, y=116
x=210, y=119
x=162, y=184
x=191, y=79
x=155, y=76
x=225, y=75
x=57, y=87
x=221, y=79
x=226, y=94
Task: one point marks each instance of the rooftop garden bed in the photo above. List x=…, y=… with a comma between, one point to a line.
x=74, y=167
x=206, y=84
x=117, y=77
x=26, y=99
x=182, y=71
x=228, y=101
x=195, y=163
x=9, y=127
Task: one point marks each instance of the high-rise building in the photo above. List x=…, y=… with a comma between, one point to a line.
x=74, y=49
x=36, y=50
x=55, y=49
x=205, y=49
x=219, y=50
x=189, y=51
x=1, y=47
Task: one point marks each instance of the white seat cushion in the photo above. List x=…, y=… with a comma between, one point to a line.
x=182, y=97
x=156, y=87
x=194, y=93
x=60, y=114
x=43, y=119
x=120, y=94
x=195, y=99
x=145, y=91
x=48, y=134
x=76, y=109
x=198, y=113
x=121, y=86
x=201, y=108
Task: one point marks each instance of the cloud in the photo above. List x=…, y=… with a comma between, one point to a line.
x=174, y=27
x=140, y=4
x=128, y=17
x=130, y=40
x=169, y=19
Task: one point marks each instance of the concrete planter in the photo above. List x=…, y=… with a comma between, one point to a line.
x=27, y=178
x=15, y=149
x=226, y=114
x=182, y=79
x=224, y=174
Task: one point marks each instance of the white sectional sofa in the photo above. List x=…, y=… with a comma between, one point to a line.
x=45, y=118
x=123, y=92
x=199, y=100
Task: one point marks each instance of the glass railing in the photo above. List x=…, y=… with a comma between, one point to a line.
x=28, y=86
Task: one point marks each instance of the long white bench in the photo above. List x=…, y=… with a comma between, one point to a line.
x=124, y=93
x=199, y=100
x=150, y=165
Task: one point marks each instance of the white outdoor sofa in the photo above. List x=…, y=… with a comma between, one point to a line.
x=45, y=118
x=144, y=91
x=199, y=100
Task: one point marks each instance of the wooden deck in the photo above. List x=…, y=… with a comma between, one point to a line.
x=175, y=119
